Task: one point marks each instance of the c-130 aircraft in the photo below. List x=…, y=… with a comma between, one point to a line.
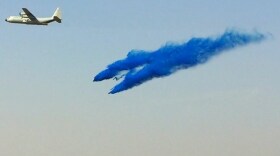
x=26, y=17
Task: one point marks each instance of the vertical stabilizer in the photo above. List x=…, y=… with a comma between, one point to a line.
x=57, y=16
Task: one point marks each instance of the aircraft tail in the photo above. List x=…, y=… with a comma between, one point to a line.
x=57, y=16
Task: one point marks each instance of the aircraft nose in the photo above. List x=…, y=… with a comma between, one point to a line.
x=6, y=20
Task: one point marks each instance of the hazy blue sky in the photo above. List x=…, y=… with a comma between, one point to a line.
x=49, y=105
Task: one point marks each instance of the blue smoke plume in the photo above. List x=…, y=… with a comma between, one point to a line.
x=142, y=66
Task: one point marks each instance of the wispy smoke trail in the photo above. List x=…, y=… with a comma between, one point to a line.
x=142, y=66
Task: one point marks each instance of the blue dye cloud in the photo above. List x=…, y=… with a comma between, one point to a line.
x=141, y=66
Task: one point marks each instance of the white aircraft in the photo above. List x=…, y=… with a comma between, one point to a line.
x=26, y=17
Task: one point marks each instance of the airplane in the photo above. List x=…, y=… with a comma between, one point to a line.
x=118, y=77
x=26, y=17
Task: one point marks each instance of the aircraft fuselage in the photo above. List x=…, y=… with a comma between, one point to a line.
x=23, y=20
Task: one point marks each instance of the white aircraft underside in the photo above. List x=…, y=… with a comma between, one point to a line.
x=38, y=21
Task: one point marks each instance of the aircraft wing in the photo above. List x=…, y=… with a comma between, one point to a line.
x=28, y=13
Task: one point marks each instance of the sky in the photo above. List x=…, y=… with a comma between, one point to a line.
x=50, y=106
